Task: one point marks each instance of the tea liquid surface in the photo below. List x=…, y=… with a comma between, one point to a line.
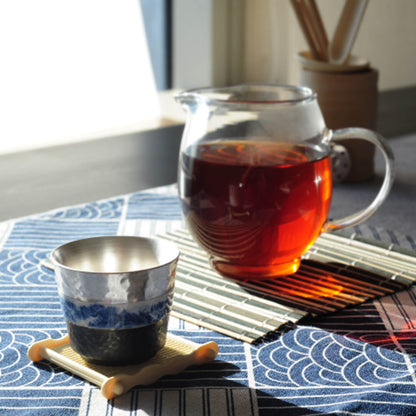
x=255, y=203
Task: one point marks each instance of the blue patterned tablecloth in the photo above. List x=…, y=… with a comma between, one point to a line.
x=359, y=361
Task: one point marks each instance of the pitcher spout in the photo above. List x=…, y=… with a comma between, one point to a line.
x=188, y=100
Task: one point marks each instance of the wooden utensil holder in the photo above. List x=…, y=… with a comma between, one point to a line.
x=348, y=99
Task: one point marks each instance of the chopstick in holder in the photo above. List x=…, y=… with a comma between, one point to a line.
x=346, y=30
x=312, y=27
x=319, y=30
x=304, y=22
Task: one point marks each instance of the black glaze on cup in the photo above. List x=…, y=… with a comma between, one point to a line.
x=118, y=346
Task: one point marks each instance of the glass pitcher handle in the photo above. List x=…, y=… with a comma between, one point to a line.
x=381, y=143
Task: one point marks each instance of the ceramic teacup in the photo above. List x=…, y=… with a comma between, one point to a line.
x=116, y=294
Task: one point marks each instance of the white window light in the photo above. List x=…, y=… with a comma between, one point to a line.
x=71, y=70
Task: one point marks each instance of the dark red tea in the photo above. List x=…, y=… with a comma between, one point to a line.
x=255, y=206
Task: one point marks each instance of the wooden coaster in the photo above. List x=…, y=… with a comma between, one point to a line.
x=174, y=357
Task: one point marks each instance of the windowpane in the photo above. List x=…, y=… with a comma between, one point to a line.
x=156, y=16
x=71, y=70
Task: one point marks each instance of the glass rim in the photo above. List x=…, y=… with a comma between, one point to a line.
x=290, y=94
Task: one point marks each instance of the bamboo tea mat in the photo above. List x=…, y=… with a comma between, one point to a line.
x=337, y=272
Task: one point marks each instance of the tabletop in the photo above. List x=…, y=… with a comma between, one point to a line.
x=358, y=361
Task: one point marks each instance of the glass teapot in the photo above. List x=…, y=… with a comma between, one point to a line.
x=255, y=177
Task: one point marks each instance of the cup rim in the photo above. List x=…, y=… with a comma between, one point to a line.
x=174, y=255
x=212, y=95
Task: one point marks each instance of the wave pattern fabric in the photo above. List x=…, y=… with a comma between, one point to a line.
x=358, y=361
